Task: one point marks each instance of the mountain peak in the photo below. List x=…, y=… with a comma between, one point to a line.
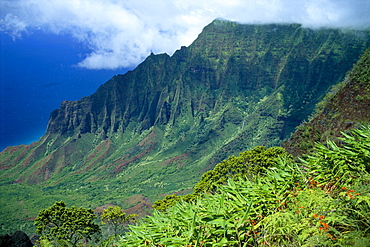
x=157, y=128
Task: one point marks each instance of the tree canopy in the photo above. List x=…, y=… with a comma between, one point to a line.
x=67, y=224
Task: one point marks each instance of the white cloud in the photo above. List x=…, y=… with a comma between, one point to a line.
x=122, y=33
x=13, y=25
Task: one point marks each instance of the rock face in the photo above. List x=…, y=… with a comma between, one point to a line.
x=227, y=63
x=157, y=128
x=18, y=239
x=345, y=107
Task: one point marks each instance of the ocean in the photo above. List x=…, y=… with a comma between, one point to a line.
x=37, y=73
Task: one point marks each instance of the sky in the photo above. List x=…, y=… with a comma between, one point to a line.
x=55, y=50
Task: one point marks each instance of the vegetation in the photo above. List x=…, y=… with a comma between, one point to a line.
x=324, y=201
x=344, y=107
x=61, y=224
x=157, y=129
x=116, y=220
x=249, y=164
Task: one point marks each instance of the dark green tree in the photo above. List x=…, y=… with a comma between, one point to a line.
x=73, y=225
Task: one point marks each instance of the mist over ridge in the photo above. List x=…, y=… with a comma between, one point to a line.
x=123, y=34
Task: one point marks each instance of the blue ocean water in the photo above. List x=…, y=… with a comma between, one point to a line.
x=37, y=73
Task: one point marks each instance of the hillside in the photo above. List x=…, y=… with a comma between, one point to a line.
x=345, y=107
x=156, y=129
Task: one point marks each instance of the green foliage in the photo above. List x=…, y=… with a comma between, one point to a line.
x=227, y=218
x=343, y=108
x=110, y=241
x=306, y=204
x=116, y=219
x=166, y=202
x=332, y=165
x=361, y=71
x=248, y=164
x=69, y=225
x=169, y=200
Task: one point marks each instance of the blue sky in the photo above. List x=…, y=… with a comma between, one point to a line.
x=55, y=50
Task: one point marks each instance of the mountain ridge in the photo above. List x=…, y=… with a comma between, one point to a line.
x=116, y=104
x=156, y=129
x=345, y=107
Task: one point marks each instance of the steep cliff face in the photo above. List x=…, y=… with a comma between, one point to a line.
x=226, y=62
x=345, y=107
x=121, y=100
x=157, y=128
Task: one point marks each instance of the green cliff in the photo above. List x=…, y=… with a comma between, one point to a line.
x=345, y=107
x=157, y=129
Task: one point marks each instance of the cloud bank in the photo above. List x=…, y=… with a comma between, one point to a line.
x=122, y=33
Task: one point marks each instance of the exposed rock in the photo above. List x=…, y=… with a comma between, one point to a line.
x=18, y=239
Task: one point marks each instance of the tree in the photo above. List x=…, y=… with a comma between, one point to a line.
x=116, y=219
x=66, y=224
